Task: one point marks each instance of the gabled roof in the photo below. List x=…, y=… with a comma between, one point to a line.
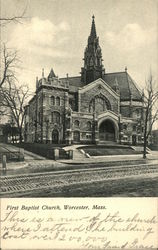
x=99, y=83
x=126, y=85
x=74, y=82
x=136, y=93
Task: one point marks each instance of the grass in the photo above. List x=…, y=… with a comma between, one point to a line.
x=11, y=154
x=45, y=150
x=109, y=150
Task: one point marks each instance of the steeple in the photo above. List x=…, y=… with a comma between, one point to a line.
x=93, y=68
x=51, y=74
x=93, y=29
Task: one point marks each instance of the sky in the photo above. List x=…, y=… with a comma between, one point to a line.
x=54, y=35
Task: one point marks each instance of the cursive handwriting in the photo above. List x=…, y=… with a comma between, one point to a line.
x=89, y=232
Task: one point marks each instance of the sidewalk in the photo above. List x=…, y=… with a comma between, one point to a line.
x=111, y=158
x=81, y=158
x=35, y=162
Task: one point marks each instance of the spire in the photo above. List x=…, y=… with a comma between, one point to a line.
x=51, y=74
x=36, y=82
x=93, y=67
x=93, y=29
x=42, y=73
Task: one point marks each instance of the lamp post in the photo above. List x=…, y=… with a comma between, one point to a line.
x=12, y=125
x=47, y=126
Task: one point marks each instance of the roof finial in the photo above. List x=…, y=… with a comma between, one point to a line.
x=51, y=74
x=36, y=82
x=93, y=29
x=126, y=68
x=43, y=73
x=116, y=81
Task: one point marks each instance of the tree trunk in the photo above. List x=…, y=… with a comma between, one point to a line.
x=144, y=149
x=20, y=135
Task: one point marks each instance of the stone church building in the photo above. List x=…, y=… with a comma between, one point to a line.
x=94, y=107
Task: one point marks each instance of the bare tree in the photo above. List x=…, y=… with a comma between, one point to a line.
x=9, y=57
x=150, y=111
x=14, y=98
x=4, y=20
x=9, y=62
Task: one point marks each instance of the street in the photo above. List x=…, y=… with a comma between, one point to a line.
x=99, y=180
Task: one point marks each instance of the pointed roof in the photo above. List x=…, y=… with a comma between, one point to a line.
x=126, y=85
x=51, y=74
x=93, y=29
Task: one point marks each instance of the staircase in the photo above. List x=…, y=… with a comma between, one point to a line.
x=107, y=143
x=140, y=148
x=78, y=154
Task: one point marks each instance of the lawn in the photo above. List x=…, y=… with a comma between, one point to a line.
x=45, y=150
x=109, y=150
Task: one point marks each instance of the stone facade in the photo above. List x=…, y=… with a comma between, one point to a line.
x=92, y=108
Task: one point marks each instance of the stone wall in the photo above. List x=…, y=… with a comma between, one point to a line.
x=86, y=97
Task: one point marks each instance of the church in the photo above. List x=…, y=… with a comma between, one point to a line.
x=95, y=107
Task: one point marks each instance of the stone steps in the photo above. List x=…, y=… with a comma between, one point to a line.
x=107, y=143
x=78, y=154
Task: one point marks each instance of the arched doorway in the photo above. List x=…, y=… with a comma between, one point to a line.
x=55, y=136
x=134, y=140
x=107, y=131
x=76, y=136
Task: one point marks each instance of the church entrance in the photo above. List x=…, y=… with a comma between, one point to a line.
x=76, y=137
x=107, y=131
x=134, y=140
x=55, y=136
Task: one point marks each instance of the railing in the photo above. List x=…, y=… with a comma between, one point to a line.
x=12, y=155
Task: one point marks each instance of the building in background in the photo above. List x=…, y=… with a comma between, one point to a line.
x=94, y=107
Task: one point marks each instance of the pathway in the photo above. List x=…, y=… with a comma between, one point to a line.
x=77, y=153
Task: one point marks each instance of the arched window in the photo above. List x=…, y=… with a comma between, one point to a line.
x=58, y=101
x=39, y=117
x=124, y=126
x=55, y=117
x=98, y=61
x=52, y=100
x=91, y=61
x=76, y=123
x=72, y=104
x=89, y=125
x=137, y=113
x=99, y=104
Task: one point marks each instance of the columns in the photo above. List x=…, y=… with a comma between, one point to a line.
x=66, y=100
x=95, y=135
x=79, y=101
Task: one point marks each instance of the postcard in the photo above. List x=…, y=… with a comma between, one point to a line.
x=79, y=124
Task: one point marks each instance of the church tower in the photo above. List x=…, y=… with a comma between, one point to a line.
x=93, y=67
